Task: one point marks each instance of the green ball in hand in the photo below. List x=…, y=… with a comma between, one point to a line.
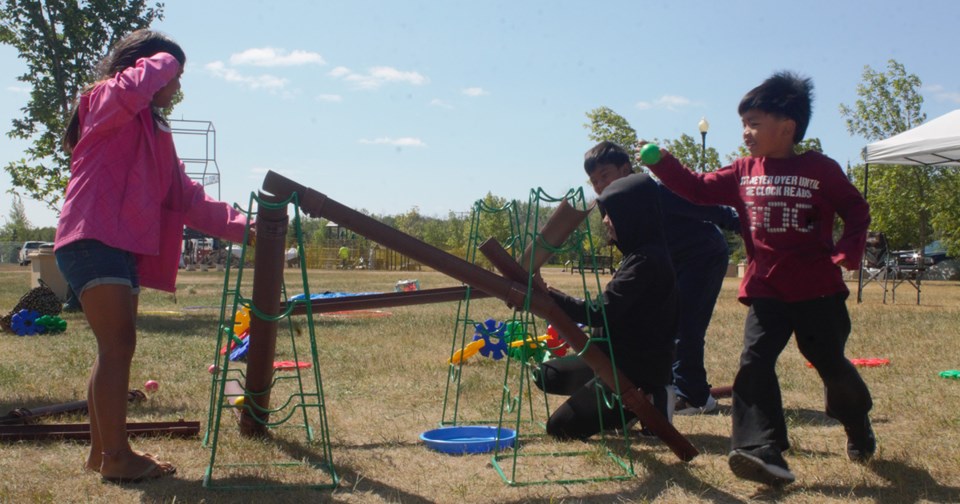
x=650, y=154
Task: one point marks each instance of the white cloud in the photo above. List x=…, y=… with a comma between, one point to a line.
x=378, y=76
x=340, y=71
x=941, y=94
x=263, y=81
x=19, y=89
x=397, y=142
x=271, y=57
x=475, y=91
x=331, y=98
x=437, y=102
x=669, y=102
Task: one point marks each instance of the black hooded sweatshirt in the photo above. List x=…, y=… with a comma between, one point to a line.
x=641, y=300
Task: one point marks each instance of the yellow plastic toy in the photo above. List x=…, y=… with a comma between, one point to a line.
x=531, y=342
x=467, y=352
x=474, y=347
x=241, y=321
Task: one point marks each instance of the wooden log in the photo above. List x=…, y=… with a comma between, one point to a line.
x=386, y=300
x=267, y=282
x=81, y=431
x=27, y=415
x=509, y=290
x=633, y=397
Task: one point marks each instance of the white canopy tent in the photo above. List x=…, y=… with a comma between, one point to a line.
x=935, y=142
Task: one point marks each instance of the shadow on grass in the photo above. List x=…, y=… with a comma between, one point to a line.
x=351, y=481
x=660, y=477
x=907, y=484
x=175, y=489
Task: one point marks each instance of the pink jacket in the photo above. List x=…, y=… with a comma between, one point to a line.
x=128, y=188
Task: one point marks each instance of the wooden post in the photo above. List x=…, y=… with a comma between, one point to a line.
x=267, y=281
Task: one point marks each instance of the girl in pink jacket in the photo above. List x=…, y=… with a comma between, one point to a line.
x=121, y=226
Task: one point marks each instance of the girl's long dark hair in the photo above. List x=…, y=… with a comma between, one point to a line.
x=124, y=54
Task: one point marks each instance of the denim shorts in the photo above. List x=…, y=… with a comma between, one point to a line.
x=89, y=263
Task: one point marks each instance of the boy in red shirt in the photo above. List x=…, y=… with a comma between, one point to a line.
x=793, y=283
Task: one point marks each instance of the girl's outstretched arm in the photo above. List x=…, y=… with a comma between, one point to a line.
x=116, y=100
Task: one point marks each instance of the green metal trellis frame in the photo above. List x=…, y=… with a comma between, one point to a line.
x=508, y=462
x=304, y=385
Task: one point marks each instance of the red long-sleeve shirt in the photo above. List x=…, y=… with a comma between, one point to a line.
x=787, y=209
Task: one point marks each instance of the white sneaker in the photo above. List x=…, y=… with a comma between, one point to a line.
x=683, y=408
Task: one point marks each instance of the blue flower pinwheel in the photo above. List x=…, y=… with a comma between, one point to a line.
x=22, y=323
x=489, y=331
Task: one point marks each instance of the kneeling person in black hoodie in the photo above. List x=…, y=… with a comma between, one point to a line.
x=642, y=314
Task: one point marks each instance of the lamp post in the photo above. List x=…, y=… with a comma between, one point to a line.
x=703, y=125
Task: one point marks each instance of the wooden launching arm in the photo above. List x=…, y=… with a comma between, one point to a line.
x=511, y=289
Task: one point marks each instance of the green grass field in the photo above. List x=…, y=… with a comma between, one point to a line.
x=384, y=380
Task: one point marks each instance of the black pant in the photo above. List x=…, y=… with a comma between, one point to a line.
x=822, y=326
x=583, y=414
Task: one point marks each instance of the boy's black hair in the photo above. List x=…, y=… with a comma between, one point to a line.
x=785, y=94
x=605, y=152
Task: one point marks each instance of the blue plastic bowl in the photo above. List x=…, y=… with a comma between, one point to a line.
x=468, y=439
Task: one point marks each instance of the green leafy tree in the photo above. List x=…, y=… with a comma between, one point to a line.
x=17, y=227
x=496, y=220
x=690, y=153
x=457, y=227
x=605, y=124
x=906, y=202
x=890, y=102
x=411, y=223
x=60, y=41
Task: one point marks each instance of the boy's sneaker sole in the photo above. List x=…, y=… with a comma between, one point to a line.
x=749, y=467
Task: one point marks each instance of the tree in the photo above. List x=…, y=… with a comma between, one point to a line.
x=889, y=103
x=605, y=124
x=905, y=201
x=61, y=41
x=17, y=228
x=691, y=153
x=496, y=219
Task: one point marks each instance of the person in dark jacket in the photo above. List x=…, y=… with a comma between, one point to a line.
x=700, y=257
x=640, y=308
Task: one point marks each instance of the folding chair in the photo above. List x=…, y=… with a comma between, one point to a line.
x=908, y=266
x=876, y=263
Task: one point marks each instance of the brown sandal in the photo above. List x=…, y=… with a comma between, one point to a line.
x=155, y=471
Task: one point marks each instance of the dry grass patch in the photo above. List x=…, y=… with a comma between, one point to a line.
x=385, y=380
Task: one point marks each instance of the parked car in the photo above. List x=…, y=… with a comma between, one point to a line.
x=29, y=249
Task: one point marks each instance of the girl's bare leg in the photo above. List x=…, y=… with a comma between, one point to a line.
x=111, y=312
x=95, y=458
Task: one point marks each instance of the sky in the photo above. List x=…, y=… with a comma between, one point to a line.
x=387, y=105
